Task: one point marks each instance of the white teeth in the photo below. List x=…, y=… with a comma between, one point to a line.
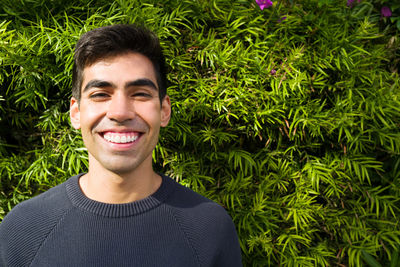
x=114, y=138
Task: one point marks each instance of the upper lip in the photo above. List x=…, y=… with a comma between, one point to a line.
x=120, y=130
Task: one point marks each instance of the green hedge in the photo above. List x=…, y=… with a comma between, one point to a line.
x=287, y=116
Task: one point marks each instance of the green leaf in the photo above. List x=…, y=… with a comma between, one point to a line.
x=370, y=260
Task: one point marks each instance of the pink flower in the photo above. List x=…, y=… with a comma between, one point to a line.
x=350, y=3
x=282, y=19
x=386, y=12
x=264, y=3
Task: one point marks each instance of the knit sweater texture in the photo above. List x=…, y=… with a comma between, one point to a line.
x=173, y=227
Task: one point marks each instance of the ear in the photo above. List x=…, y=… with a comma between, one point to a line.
x=74, y=113
x=165, y=111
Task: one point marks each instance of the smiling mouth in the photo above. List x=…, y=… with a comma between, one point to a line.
x=121, y=138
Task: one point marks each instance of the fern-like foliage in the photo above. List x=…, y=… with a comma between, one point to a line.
x=288, y=117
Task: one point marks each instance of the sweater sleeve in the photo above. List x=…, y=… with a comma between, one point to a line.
x=229, y=248
x=208, y=228
x=28, y=224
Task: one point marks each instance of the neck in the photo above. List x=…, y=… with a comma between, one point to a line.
x=109, y=187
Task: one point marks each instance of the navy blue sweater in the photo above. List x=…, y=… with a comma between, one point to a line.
x=173, y=227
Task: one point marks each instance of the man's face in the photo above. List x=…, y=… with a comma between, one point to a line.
x=119, y=113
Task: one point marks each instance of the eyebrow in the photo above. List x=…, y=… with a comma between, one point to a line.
x=142, y=82
x=103, y=84
x=97, y=84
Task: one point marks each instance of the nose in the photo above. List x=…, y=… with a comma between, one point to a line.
x=120, y=108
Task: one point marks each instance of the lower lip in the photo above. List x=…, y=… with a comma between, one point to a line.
x=121, y=146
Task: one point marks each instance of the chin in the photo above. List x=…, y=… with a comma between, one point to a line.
x=120, y=168
x=118, y=164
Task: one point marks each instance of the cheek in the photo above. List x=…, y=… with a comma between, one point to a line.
x=149, y=112
x=90, y=115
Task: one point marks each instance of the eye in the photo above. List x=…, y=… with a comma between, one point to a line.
x=142, y=94
x=98, y=95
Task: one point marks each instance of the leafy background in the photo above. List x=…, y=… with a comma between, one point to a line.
x=287, y=116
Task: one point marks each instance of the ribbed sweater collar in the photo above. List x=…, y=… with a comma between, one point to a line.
x=79, y=200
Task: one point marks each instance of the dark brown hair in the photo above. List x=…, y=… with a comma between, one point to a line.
x=112, y=41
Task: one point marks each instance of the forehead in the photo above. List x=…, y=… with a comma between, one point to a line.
x=120, y=69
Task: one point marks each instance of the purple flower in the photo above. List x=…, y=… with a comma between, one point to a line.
x=264, y=3
x=282, y=19
x=386, y=12
x=350, y=3
x=273, y=71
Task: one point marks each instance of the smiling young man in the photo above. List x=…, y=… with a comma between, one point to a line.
x=119, y=213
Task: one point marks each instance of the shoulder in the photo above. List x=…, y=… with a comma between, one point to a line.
x=208, y=227
x=41, y=205
x=28, y=223
x=189, y=203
